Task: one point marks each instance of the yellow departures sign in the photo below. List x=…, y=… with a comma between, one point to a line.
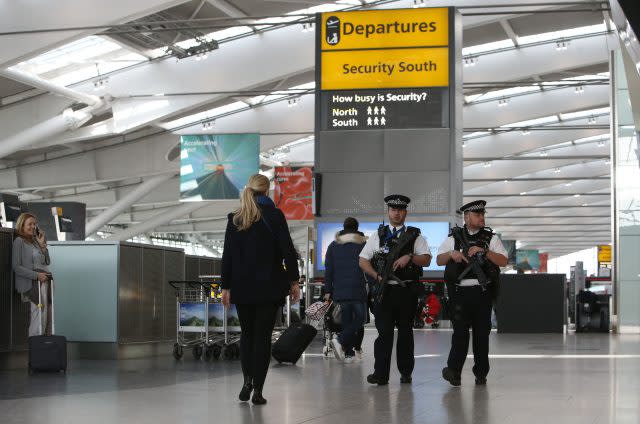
x=385, y=49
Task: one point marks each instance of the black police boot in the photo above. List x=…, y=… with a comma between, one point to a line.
x=247, y=387
x=374, y=379
x=405, y=378
x=451, y=376
x=257, y=398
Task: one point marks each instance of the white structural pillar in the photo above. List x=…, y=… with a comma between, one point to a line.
x=121, y=205
x=43, y=84
x=69, y=120
x=158, y=220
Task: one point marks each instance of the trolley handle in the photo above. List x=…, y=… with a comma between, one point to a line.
x=177, y=285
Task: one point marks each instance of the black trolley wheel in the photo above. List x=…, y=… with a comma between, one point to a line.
x=208, y=353
x=177, y=351
x=227, y=352
x=197, y=352
x=235, y=351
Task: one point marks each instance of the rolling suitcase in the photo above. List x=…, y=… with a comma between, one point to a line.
x=292, y=343
x=47, y=353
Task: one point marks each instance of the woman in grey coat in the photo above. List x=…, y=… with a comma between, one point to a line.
x=30, y=262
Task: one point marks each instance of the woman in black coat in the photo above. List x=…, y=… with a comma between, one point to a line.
x=259, y=269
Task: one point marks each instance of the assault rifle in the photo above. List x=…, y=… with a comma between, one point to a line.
x=384, y=264
x=476, y=262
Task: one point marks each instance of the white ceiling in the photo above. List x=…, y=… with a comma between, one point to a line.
x=545, y=183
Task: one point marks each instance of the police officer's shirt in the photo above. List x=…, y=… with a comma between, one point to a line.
x=420, y=247
x=495, y=245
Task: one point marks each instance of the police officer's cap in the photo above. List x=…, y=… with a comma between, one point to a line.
x=475, y=206
x=397, y=201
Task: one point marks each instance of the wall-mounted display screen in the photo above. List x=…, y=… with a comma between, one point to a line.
x=434, y=232
x=217, y=166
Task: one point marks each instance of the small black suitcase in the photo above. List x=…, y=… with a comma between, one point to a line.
x=47, y=353
x=292, y=343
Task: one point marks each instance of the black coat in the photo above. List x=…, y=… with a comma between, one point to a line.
x=343, y=277
x=252, y=261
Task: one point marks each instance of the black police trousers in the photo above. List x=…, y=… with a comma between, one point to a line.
x=470, y=308
x=398, y=309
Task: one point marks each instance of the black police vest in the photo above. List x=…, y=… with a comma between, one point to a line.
x=412, y=271
x=481, y=239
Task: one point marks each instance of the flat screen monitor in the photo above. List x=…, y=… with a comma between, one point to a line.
x=10, y=211
x=66, y=224
x=434, y=232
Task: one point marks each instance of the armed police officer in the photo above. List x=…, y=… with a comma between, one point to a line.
x=472, y=255
x=394, y=257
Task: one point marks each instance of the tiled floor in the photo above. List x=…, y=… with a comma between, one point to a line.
x=582, y=379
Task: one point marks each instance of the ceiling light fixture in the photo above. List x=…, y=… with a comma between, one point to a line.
x=293, y=102
x=579, y=89
x=469, y=61
x=503, y=102
x=200, y=50
x=207, y=125
x=562, y=45
x=487, y=164
x=592, y=120
x=557, y=170
x=543, y=153
x=100, y=83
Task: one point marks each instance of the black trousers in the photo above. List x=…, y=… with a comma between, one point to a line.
x=256, y=323
x=471, y=309
x=398, y=309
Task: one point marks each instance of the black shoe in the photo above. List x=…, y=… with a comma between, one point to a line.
x=246, y=390
x=451, y=376
x=406, y=379
x=481, y=381
x=257, y=398
x=374, y=379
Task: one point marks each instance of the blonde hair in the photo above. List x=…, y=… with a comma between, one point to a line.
x=21, y=222
x=249, y=211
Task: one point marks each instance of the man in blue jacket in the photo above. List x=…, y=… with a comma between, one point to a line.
x=345, y=283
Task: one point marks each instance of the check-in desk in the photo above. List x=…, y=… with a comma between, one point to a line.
x=112, y=299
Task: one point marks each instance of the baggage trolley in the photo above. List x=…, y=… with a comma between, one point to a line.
x=318, y=314
x=192, y=311
x=223, y=339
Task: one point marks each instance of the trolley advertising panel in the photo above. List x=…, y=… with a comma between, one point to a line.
x=192, y=317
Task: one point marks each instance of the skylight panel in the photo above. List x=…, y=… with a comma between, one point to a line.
x=565, y=33
x=208, y=114
x=81, y=60
x=585, y=113
x=229, y=32
x=592, y=138
x=487, y=47
x=475, y=134
x=80, y=51
x=531, y=122
x=505, y=93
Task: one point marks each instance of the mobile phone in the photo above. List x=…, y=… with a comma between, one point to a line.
x=37, y=231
